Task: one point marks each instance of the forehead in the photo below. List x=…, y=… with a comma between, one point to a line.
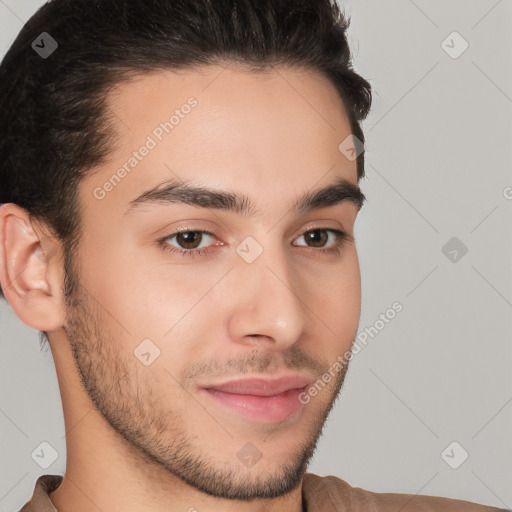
x=226, y=127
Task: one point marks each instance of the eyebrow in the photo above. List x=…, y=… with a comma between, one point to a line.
x=168, y=192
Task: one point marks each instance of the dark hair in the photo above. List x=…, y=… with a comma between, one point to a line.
x=54, y=126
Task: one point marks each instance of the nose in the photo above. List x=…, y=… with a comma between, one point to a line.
x=268, y=303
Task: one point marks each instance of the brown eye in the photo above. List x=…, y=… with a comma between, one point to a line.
x=316, y=237
x=189, y=239
x=324, y=239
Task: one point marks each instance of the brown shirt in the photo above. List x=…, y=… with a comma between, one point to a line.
x=320, y=494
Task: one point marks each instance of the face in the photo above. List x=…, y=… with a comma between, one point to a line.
x=178, y=292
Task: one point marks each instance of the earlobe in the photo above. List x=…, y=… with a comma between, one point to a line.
x=24, y=271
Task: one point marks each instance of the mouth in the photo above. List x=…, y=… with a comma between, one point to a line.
x=259, y=399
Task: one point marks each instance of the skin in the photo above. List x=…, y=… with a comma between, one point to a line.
x=143, y=437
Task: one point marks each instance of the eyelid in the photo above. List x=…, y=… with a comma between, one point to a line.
x=323, y=224
x=177, y=231
x=310, y=227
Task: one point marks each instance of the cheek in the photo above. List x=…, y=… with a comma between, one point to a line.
x=159, y=301
x=338, y=301
x=124, y=284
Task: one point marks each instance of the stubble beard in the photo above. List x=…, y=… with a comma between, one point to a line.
x=156, y=434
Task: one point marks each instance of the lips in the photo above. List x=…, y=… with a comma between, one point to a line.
x=262, y=387
x=260, y=400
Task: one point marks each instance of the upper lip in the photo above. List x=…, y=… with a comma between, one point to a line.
x=262, y=386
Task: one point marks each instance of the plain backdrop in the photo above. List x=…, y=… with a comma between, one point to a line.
x=433, y=385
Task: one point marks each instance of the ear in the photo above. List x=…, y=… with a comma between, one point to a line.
x=31, y=270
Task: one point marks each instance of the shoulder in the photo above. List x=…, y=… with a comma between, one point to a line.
x=332, y=494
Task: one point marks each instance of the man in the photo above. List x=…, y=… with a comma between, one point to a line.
x=180, y=187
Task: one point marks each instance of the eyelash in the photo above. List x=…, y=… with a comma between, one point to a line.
x=335, y=249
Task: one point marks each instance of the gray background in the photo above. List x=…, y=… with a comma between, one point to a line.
x=438, y=166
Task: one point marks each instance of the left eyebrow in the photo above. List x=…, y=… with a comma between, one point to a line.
x=341, y=190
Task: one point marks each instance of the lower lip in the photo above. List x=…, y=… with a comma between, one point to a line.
x=267, y=409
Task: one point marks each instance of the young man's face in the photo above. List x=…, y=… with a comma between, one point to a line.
x=273, y=291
